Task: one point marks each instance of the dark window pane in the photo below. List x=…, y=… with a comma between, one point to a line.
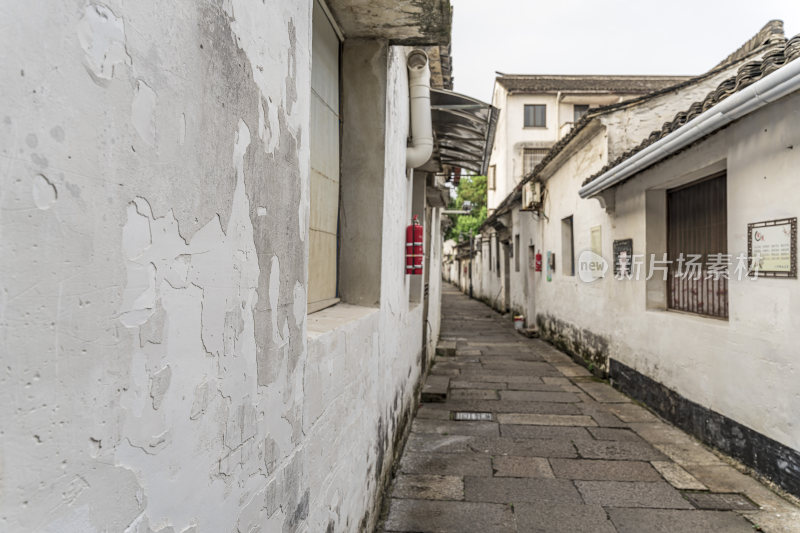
x=535, y=115
x=580, y=110
x=528, y=116
x=540, y=116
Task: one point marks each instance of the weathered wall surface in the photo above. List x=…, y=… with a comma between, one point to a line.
x=715, y=363
x=160, y=372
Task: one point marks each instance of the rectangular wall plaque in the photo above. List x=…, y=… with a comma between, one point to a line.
x=623, y=256
x=774, y=243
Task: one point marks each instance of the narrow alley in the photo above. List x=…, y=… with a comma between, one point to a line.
x=512, y=435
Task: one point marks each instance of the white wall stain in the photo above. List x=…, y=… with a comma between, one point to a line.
x=102, y=36
x=182, y=129
x=200, y=382
x=143, y=113
x=44, y=192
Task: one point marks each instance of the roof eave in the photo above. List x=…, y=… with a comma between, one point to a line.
x=768, y=89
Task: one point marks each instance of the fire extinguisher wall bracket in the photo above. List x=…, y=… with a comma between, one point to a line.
x=414, y=253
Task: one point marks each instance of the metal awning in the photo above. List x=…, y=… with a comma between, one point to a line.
x=463, y=130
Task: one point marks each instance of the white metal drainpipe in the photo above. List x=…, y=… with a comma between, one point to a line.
x=419, y=89
x=778, y=84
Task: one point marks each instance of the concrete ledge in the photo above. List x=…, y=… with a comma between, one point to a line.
x=336, y=317
x=775, y=461
x=435, y=388
x=446, y=348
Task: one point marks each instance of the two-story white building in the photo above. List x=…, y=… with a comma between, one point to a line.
x=538, y=110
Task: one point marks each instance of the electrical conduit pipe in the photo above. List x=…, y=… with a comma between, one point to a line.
x=419, y=89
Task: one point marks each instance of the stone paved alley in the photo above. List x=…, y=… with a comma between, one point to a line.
x=562, y=451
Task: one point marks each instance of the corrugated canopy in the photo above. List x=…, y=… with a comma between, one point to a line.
x=463, y=130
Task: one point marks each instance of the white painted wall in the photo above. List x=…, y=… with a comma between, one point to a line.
x=512, y=136
x=160, y=368
x=744, y=368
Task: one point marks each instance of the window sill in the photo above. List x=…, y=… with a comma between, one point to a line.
x=534, y=127
x=323, y=304
x=335, y=317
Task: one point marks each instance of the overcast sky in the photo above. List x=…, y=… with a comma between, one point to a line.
x=602, y=36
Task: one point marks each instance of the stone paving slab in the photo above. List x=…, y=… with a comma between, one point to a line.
x=677, y=476
x=450, y=427
x=691, y=453
x=446, y=464
x=499, y=377
x=474, y=394
x=532, y=419
x=510, y=407
x=425, y=411
x=536, y=396
x=670, y=521
x=602, y=433
x=600, y=470
x=524, y=447
x=601, y=392
x=720, y=502
x=461, y=384
x=512, y=466
x=516, y=490
x=538, y=387
x=432, y=442
x=628, y=412
x=572, y=518
x=420, y=516
x=660, y=432
x=563, y=453
x=618, y=450
x=572, y=370
x=656, y=494
x=562, y=433
x=428, y=487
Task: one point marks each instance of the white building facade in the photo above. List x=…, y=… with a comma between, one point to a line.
x=703, y=168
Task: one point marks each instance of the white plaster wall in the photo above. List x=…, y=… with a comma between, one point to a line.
x=745, y=368
x=161, y=373
x=435, y=278
x=498, y=153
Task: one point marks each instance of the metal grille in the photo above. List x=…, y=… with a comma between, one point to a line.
x=532, y=157
x=696, y=232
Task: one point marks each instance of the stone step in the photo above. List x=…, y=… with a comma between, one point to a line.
x=446, y=348
x=435, y=388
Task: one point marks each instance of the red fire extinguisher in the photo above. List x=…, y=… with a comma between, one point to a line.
x=414, y=248
x=538, y=262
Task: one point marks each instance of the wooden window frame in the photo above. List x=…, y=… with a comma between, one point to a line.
x=705, y=296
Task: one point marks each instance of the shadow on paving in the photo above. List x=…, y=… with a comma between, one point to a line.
x=543, y=446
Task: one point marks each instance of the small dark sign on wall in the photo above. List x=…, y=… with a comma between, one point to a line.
x=623, y=256
x=772, y=248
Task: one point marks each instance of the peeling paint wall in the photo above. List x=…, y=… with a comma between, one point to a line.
x=160, y=372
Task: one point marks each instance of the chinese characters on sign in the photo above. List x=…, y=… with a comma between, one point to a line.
x=774, y=245
x=623, y=254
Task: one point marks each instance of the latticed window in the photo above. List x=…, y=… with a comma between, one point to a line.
x=697, y=228
x=532, y=157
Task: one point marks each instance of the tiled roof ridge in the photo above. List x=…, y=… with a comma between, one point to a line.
x=770, y=33
x=746, y=75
